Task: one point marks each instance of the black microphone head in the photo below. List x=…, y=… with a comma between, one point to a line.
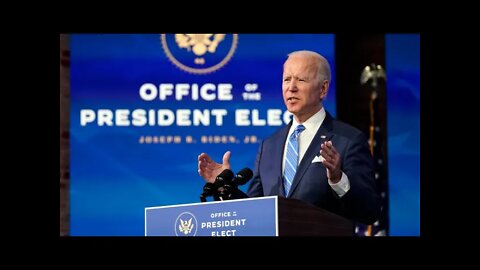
x=243, y=176
x=209, y=189
x=224, y=177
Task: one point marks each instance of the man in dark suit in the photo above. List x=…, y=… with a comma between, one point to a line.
x=315, y=158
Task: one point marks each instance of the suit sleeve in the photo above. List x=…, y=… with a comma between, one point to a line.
x=362, y=201
x=255, y=189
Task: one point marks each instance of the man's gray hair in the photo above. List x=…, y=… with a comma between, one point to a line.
x=322, y=63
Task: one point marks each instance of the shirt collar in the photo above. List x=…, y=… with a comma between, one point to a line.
x=313, y=123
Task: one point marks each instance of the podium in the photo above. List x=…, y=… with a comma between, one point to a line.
x=263, y=216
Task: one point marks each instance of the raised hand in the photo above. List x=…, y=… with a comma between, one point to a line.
x=331, y=161
x=208, y=169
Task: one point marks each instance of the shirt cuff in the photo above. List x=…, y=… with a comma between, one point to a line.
x=342, y=186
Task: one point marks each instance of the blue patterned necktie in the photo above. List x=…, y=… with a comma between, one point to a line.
x=291, y=161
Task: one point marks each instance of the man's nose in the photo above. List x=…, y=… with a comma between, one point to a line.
x=293, y=85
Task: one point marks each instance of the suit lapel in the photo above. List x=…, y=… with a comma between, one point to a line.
x=324, y=132
x=277, y=156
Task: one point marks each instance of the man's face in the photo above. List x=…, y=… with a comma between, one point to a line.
x=302, y=91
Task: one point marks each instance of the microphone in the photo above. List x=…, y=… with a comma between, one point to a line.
x=241, y=178
x=216, y=188
x=208, y=190
x=223, y=179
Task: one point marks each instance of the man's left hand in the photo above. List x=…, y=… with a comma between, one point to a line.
x=331, y=161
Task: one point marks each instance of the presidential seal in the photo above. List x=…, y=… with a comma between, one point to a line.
x=199, y=53
x=186, y=224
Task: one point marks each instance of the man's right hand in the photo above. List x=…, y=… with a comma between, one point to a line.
x=209, y=169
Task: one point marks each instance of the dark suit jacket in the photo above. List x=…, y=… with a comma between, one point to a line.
x=310, y=184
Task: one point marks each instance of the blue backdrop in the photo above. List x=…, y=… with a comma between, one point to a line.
x=403, y=129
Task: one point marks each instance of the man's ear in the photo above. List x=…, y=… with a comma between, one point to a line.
x=324, y=89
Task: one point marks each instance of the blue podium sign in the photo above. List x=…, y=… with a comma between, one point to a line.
x=244, y=217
